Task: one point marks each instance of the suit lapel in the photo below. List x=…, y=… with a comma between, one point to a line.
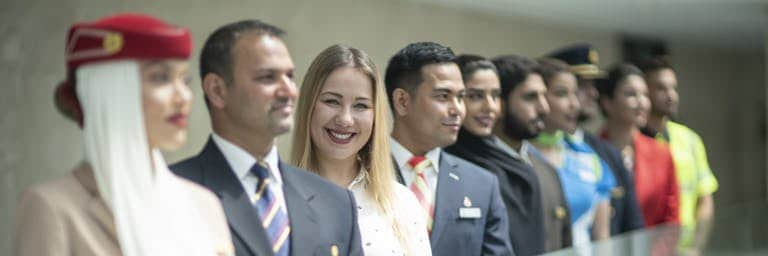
x=398, y=174
x=298, y=199
x=243, y=219
x=449, y=191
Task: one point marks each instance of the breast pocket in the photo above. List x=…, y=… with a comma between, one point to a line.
x=464, y=233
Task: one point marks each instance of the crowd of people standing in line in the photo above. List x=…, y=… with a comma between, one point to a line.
x=485, y=156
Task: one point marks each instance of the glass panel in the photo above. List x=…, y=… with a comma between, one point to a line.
x=737, y=230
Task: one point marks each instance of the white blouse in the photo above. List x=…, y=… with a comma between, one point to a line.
x=376, y=231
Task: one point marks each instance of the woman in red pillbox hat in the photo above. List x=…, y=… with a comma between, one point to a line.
x=127, y=88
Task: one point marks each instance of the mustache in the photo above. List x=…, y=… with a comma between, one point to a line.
x=453, y=119
x=282, y=102
x=539, y=118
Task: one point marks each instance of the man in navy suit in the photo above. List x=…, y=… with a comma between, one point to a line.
x=271, y=207
x=465, y=213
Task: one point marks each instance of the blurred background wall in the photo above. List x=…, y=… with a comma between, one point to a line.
x=719, y=51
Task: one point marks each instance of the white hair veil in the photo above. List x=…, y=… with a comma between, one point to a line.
x=153, y=212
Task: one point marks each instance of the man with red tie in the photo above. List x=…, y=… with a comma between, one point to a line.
x=465, y=213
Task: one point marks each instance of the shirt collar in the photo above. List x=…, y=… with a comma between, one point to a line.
x=402, y=155
x=577, y=136
x=360, y=180
x=522, y=155
x=242, y=161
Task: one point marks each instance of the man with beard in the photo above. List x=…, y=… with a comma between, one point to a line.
x=583, y=62
x=694, y=177
x=476, y=143
x=523, y=107
x=464, y=209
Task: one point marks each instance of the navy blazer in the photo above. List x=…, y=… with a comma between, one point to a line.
x=520, y=190
x=453, y=234
x=322, y=215
x=627, y=215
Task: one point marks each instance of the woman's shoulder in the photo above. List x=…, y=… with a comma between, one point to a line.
x=201, y=195
x=213, y=213
x=59, y=194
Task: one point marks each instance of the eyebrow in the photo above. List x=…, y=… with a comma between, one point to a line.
x=160, y=63
x=271, y=69
x=166, y=66
x=444, y=90
x=338, y=95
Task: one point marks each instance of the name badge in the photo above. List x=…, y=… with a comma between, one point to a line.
x=470, y=213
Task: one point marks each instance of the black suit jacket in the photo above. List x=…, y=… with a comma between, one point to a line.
x=519, y=189
x=459, y=183
x=322, y=215
x=627, y=215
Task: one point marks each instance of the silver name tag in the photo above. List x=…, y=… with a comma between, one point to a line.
x=470, y=213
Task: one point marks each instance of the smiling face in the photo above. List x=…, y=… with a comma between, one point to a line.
x=482, y=102
x=342, y=116
x=166, y=100
x=433, y=113
x=630, y=103
x=259, y=100
x=563, y=102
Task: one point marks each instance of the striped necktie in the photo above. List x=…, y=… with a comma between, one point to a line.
x=273, y=216
x=421, y=188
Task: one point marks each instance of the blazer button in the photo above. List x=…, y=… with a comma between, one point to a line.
x=560, y=212
x=617, y=192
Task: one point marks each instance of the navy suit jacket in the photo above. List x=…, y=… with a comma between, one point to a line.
x=627, y=215
x=322, y=215
x=520, y=190
x=453, y=234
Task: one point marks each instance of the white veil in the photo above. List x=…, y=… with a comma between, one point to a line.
x=153, y=213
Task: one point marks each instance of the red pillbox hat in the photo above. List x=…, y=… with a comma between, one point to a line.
x=117, y=37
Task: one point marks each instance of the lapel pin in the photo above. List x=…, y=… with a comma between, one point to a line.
x=469, y=212
x=454, y=176
x=334, y=250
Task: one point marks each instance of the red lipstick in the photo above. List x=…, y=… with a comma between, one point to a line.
x=178, y=119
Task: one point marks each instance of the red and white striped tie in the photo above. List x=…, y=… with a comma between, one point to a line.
x=421, y=189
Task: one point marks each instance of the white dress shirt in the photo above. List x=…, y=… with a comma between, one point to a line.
x=241, y=162
x=376, y=233
x=402, y=155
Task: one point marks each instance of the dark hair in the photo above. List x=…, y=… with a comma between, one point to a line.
x=617, y=74
x=513, y=70
x=654, y=64
x=404, y=68
x=470, y=63
x=551, y=67
x=216, y=56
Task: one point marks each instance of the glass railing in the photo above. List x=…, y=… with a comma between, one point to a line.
x=736, y=230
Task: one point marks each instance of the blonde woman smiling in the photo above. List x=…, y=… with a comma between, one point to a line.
x=342, y=135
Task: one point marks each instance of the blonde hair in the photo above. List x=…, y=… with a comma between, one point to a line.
x=375, y=155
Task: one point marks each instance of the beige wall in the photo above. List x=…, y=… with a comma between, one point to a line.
x=723, y=91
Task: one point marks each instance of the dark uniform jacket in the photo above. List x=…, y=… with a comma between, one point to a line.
x=322, y=215
x=626, y=215
x=519, y=189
